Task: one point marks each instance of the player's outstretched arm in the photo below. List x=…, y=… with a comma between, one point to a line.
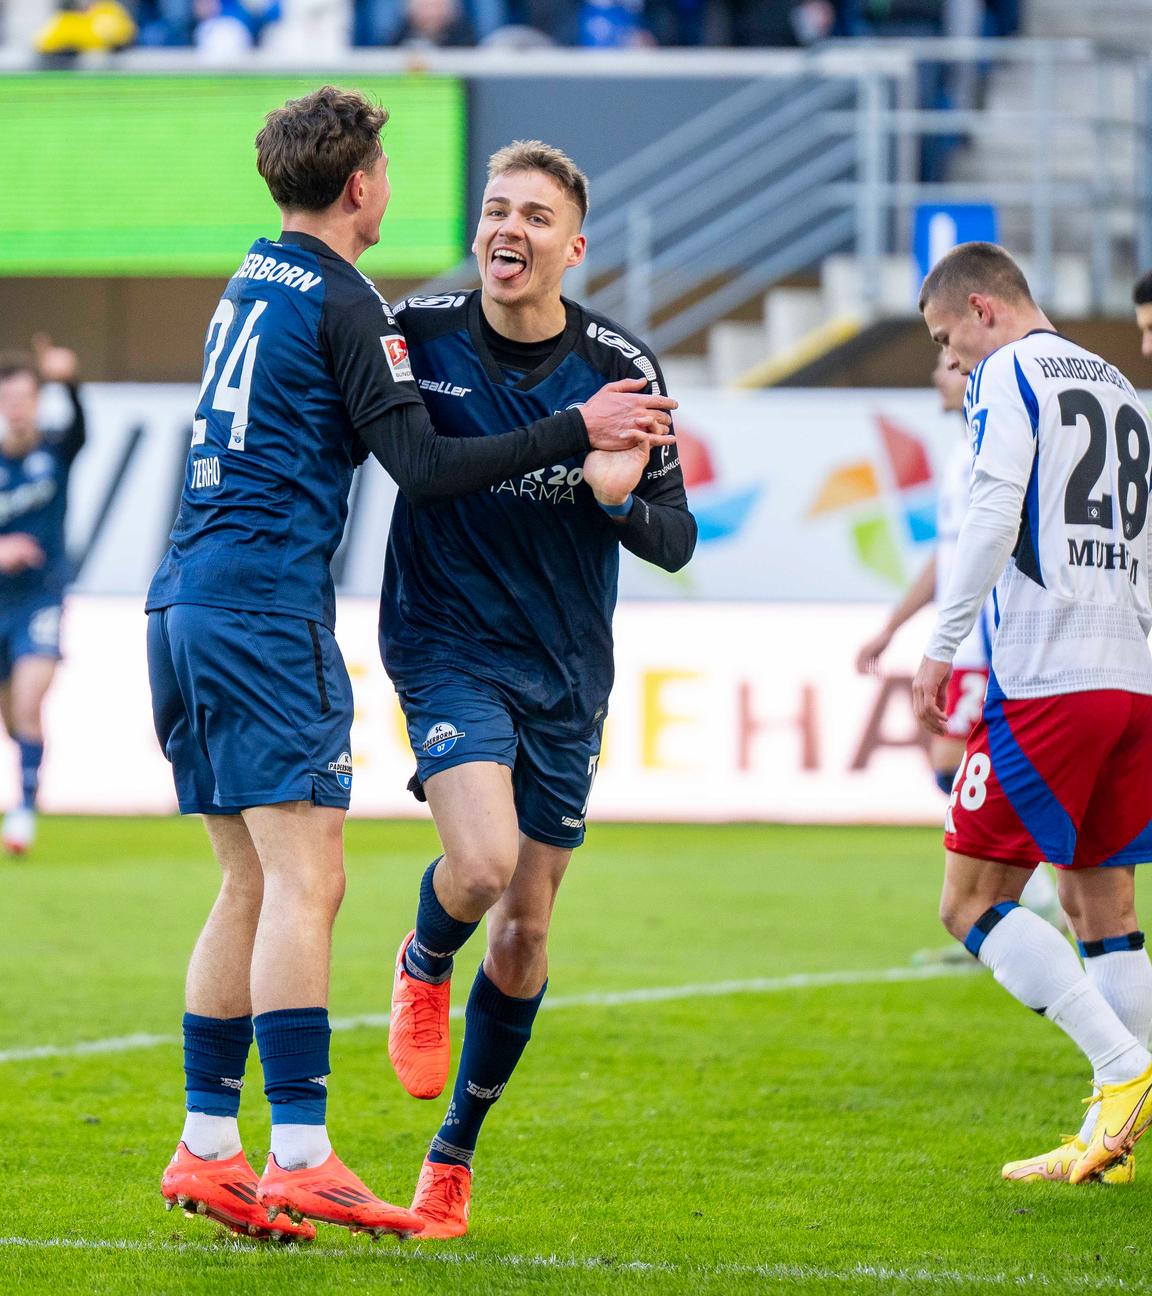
x=59, y=364
x=383, y=402
x=428, y=467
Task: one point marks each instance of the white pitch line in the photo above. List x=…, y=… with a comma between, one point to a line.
x=597, y=999
x=915, y=1277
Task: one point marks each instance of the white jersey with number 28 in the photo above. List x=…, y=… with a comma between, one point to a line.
x=1062, y=454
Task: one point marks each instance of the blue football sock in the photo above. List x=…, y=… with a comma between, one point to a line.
x=293, y=1044
x=31, y=758
x=944, y=781
x=215, y=1052
x=438, y=935
x=496, y=1031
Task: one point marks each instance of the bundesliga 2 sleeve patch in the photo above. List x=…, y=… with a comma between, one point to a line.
x=396, y=350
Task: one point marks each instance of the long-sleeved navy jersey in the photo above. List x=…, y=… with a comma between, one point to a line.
x=33, y=500
x=517, y=583
x=297, y=357
x=305, y=371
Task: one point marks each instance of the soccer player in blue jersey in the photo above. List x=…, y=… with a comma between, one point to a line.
x=34, y=473
x=305, y=371
x=496, y=628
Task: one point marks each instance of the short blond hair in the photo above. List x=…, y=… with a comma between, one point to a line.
x=974, y=268
x=535, y=155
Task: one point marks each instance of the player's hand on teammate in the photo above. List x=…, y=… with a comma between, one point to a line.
x=928, y=690
x=868, y=658
x=613, y=475
x=18, y=552
x=622, y=415
x=57, y=364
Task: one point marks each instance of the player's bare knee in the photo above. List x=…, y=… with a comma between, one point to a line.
x=480, y=878
x=959, y=910
x=518, y=944
x=243, y=888
x=26, y=723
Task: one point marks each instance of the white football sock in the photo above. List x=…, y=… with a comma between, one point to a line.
x=1036, y=965
x=300, y=1147
x=1124, y=979
x=212, y=1138
x=1040, y=895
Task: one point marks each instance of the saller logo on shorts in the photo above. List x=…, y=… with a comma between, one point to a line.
x=342, y=768
x=442, y=737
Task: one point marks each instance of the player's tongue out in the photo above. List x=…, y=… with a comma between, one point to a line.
x=507, y=264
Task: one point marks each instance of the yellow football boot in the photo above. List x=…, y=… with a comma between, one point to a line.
x=1125, y=1113
x=1056, y=1166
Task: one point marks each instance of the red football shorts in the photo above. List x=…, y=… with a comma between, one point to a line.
x=964, y=701
x=1066, y=779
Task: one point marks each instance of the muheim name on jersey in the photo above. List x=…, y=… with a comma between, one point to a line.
x=1104, y=555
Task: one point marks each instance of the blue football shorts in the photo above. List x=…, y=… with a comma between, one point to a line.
x=251, y=708
x=29, y=629
x=455, y=718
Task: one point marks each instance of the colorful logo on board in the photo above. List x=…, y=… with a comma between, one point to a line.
x=888, y=502
x=721, y=512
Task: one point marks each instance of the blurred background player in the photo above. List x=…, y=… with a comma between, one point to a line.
x=496, y=628
x=1060, y=765
x=34, y=569
x=968, y=682
x=1142, y=299
x=304, y=367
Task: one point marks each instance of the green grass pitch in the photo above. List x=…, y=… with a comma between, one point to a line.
x=843, y=1134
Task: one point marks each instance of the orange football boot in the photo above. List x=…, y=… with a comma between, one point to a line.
x=418, y=1043
x=443, y=1196
x=225, y=1191
x=332, y=1194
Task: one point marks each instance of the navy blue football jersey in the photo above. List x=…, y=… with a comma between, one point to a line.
x=301, y=352
x=34, y=500
x=517, y=583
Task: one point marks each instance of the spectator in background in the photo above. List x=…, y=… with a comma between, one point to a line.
x=165, y=22
x=82, y=28
x=435, y=24
x=612, y=24
x=742, y=23
x=222, y=29
x=385, y=22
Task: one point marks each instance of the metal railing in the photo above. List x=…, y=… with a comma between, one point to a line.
x=821, y=155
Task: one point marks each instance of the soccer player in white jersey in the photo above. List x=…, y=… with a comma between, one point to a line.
x=1060, y=766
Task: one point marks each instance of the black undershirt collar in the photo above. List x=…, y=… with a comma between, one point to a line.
x=517, y=357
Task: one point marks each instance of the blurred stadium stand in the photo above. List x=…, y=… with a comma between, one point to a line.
x=752, y=210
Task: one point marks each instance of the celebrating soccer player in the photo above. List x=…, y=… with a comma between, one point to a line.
x=1060, y=765
x=496, y=628
x=304, y=365
x=34, y=472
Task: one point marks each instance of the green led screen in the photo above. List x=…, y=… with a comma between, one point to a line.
x=156, y=175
